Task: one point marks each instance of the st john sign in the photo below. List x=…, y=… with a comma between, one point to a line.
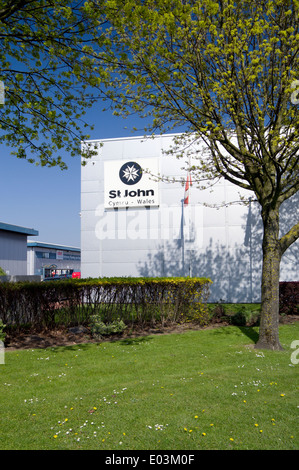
x=131, y=183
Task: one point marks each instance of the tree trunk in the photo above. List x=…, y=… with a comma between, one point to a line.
x=269, y=323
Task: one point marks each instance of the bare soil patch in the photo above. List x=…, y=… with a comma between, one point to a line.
x=67, y=337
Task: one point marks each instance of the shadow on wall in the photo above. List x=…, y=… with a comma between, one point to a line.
x=235, y=270
x=230, y=272
x=289, y=216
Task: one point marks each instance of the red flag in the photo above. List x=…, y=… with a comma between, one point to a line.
x=188, y=184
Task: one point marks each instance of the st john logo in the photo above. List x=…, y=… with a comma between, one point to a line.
x=129, y=183
x=130, y=173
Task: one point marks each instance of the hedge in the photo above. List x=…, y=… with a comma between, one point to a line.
x=132, y=300
x=289, y=297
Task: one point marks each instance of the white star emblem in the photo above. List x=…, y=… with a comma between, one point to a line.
x=130, y=173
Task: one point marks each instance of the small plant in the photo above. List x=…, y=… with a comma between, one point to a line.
x=2, y=272
x=2, y=334
x=217, y=312
x=99, y=328
x=244, y=316
x=235, y=314
x=238, y=318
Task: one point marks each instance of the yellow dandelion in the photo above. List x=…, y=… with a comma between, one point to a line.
x=256, y=425
x=261, y=430
x=282, y=394
x=55, y=436
x=231, y=438
x=211, y=424
x=203, y=434
x=196, y=417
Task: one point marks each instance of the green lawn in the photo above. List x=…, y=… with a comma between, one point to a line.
x=207, y=389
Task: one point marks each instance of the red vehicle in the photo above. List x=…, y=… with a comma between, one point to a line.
x=76, y=275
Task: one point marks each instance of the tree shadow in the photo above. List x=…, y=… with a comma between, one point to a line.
x=251, y=332
x=229, y=270
x=72, y=347
x=134, y=341
x=235, y=269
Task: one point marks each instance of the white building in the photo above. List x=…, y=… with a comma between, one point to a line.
x=133, y=224
x=48, y=259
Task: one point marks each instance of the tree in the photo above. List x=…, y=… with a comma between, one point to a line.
x=225, y=71
x=48, y=73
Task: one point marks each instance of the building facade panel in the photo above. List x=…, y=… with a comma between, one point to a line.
x=215, y=236
x=13, y=253
x=13, y=248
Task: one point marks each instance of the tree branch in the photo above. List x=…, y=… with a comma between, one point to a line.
x=12, y=7
x=289, y=238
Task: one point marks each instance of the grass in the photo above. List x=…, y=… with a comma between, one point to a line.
x=207, y=389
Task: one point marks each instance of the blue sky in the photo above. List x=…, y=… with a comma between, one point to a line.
x=48, y=199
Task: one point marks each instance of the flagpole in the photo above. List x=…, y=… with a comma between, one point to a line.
x=185, y=202
x=248, y=242
x=183, y=238
x=250, y=249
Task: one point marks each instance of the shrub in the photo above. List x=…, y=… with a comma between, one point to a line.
x=2, y=334
x=238, y=319
x=236, y=314
x=245, y=316
x=2, y=272
x=132, y=300
x=289, y=298
x=99, y=328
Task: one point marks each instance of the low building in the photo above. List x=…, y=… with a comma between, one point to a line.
x=47, y=259
x=13, y=248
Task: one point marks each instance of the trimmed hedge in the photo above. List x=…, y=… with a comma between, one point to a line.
x=133, y=300
x=289, y=297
